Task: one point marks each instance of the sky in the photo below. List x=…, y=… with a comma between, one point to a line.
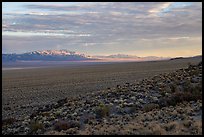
x=167, y=29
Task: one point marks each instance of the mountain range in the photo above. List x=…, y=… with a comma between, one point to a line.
x=124, y=57
x=46, y=55
x=66, y=55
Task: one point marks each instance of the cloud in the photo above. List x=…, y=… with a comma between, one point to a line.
x=117, y=26
x=160, y=7
x=29, y=34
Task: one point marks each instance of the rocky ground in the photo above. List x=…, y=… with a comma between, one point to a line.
x=170, y=103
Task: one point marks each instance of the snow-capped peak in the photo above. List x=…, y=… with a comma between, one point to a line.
x=55, y=52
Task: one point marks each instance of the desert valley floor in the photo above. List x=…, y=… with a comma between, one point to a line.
x=25, y=90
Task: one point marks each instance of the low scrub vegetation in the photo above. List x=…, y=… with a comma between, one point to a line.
x=192, y=94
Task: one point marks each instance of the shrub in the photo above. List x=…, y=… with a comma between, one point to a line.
x=102, y=111
x=189, y=64
x=8, y=121
x=46, y=114
x=194, y=72
x=87, y=118
x=174, y=88
x=151, y=106
x=193, y=95
x=133, y=109
x=187, y=86
x=64, y=125
x=62, y=101
x=34, y=126
x=61, y=125
x=171, y=102
x=163, y=93
x=162, y=102
x=200, y=64
x=57, y=113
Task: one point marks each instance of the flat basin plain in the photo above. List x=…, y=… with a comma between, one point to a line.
x=24, y=90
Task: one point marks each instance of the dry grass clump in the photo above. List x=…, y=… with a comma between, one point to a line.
x=171, y=126
x=197, y=127
x=52, y=132
x=186, y=127
x=145, y=131
x=174, y=128
x=158, y=130
x=152, y=128
x=187, y=123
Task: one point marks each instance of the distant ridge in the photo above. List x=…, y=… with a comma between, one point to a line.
x=198, y=56
x=177, y=58
x=124, y=57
